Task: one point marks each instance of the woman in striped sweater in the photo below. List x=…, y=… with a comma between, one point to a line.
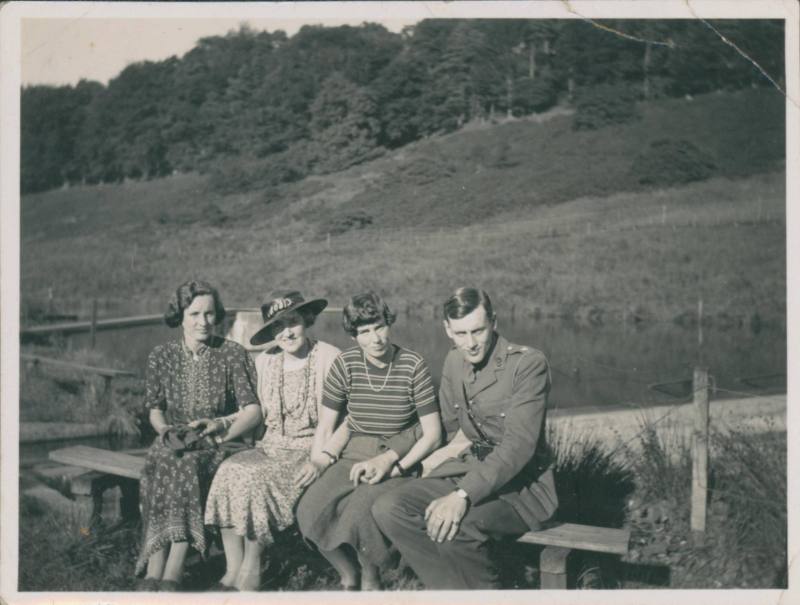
x=393, y=418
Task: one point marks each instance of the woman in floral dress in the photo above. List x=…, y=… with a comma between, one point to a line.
x=253, y=494
x=199, y=375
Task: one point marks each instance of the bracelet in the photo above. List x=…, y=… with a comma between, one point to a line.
x=331, y=456
x=400, y=468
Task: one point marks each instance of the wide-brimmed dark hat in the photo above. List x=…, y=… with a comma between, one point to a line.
x=279, y=304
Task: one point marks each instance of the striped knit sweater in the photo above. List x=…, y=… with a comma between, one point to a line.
x=373, y=408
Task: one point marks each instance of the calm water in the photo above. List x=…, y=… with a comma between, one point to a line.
x=607, y=365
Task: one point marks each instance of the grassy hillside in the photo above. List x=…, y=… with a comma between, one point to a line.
x=550, y=219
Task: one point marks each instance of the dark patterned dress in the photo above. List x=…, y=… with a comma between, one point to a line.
x=187, y=386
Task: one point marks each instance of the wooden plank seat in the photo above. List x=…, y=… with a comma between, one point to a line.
x=560, y=540
x=105, y=470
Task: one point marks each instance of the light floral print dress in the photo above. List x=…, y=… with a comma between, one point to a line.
x=253, y=492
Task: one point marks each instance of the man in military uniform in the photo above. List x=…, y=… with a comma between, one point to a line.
x=494, y=478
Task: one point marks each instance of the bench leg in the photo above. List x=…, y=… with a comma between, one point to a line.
x=553, y=567
x=129, y=506
x=89, y=497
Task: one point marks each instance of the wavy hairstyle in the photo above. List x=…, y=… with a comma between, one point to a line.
x=364, y=309
x=183, y=297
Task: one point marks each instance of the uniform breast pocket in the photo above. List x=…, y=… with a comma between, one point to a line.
x=492, y=418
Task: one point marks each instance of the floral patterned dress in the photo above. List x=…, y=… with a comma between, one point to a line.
x=253, y=492
x=216, y=380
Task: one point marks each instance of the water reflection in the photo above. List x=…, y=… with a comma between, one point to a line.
x=606, y=365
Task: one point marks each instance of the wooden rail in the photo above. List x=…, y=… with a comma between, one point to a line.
x=105, y=372
x=86, y=326
x=120, y=322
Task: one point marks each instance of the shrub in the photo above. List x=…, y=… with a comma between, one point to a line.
x=534, y=95
x=672, y=162
x=422, y=170
x=604, y=105
x=239, y=175
x=353, y=220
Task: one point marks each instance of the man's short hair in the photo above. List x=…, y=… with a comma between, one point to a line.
x=465, y=300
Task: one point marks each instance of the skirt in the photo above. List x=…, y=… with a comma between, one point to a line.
x=172, y=493
x=332, y=512
x=253, y=492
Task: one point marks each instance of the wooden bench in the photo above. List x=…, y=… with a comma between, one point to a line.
x=560, y=540
x=105, y=470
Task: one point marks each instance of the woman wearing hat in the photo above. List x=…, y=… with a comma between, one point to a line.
x=393, y=419
x=254, y=492
x=195, y=376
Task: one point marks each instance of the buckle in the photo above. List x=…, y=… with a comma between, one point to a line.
x=481, y=450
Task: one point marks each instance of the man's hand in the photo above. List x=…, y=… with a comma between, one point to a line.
x=444, y=515
x=373, y=471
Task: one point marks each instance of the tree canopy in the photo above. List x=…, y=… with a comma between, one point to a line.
x=329, y=97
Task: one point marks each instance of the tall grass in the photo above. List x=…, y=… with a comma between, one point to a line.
x=746, y=530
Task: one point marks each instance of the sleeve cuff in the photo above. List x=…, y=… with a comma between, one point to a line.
x=474, y=486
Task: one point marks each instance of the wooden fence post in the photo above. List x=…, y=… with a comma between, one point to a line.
x=93, y=327
x=700, y=456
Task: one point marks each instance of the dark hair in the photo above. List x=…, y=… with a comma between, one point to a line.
x=364, y=309
x=183, y=297
x=464, y=301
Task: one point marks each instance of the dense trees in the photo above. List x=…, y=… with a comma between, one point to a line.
x=326, y=98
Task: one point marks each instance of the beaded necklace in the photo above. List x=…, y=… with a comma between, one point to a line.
x=385, y=380
x=285, y=407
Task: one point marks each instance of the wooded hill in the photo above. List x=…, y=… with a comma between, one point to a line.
x=269, y=108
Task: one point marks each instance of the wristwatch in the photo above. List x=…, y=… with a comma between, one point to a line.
x=462, y=494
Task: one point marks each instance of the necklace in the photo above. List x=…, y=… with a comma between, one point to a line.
x=369, y=380
x=286, y=408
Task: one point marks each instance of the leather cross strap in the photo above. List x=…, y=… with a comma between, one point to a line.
x=486, y=441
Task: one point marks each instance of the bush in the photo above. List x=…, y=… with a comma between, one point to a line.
x=347, y=222
x=534, y=95
x=672, y=162
x=604, y=105
x=239, y=175
x=422, y=170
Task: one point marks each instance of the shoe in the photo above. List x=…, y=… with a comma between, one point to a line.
x=220, y=587
x=168, y=586
x=351, y=587
x=147, y=585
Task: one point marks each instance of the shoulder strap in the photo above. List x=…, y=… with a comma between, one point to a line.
x=471, y=417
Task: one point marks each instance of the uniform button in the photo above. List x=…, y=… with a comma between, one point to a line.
x=455, y=406
x=502, y=414
x=480, y=424
x=510, y=347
